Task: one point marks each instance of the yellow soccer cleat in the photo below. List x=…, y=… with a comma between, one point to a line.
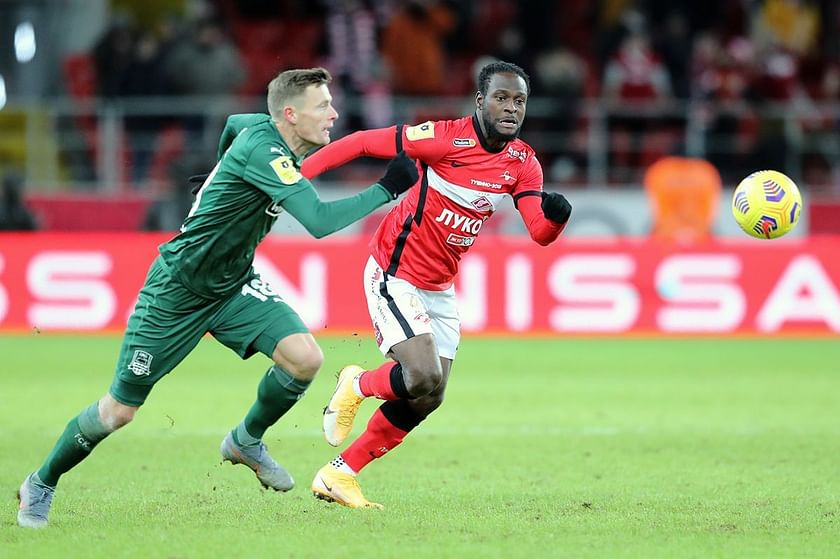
x=337, y=487
x=342, y=407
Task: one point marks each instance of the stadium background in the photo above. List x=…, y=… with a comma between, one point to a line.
x=616, y=395
x=107, y=107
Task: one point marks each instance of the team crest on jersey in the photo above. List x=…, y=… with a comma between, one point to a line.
x=141, y=363
x=285, y=170
x=517, y=154
x=482, y=204
x=421, y=131
x=463, y=142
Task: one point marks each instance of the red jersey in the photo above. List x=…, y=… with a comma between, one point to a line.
x=462, y=183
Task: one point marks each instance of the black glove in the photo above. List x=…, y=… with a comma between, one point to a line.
x=197, y=181
x=400, y=175
x=555, y=207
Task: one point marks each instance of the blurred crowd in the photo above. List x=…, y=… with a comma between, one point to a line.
x=752, y=57
x=742, y=66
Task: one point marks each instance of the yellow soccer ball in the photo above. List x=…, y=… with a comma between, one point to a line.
x=767, y=204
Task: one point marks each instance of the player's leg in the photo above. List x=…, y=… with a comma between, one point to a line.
x=266, y=324
x=404, y=331
x=159, y=334
x=398, y=416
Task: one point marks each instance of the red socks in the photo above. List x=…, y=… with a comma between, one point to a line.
x=380, y=436
x=384, y=383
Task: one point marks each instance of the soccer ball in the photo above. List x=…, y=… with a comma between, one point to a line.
x=767, y=204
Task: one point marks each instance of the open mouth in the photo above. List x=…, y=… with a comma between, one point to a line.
x=508, y=123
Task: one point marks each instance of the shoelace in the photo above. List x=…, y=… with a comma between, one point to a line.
x=346, y=419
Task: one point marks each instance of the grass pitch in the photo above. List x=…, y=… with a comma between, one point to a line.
x=544, y=448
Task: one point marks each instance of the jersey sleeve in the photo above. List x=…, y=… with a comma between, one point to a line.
x=377, y=142
x=527, y=197
x=272, y=170
x=428, y=141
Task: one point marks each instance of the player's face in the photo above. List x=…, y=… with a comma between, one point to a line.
x=315, y=115
x=502, y=110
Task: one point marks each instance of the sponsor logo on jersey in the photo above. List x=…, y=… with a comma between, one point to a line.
x=422, y=317
x=460, y=222
x=141, y=363
x=463, y=142
x=482, y=204
x=274, y=209
x=458, y=164
x=421, y=131
x=507, y=176
x=273, y=149
x=285, y=170
x=517, y=154
x=460, y=241
x=486, y=184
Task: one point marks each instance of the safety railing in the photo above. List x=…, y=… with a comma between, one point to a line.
x=128, y=144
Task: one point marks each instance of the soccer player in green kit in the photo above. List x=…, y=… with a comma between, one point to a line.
x=203, y=281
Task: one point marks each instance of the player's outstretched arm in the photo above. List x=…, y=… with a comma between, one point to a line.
x=377, y=142
x=545, y=215
x=323, y=218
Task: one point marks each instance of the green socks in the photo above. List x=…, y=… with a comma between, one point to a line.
x=81, y=435
x=277, y=393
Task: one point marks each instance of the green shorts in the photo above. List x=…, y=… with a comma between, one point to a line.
x=169, y=321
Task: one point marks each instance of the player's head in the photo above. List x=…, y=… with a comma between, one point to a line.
x=301, y=99
x=500, y=101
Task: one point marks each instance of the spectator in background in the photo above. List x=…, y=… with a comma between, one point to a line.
x=634, y=76
x=145, y=77
x=206, y=64
x=674, y=41
x=354, y=61
x=560, y=79
x=14, y=215
x=724, y=77
x=412, y=46
x=793, y=25
x=112, y=56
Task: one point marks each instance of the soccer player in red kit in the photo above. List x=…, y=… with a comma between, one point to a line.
x=467, y=167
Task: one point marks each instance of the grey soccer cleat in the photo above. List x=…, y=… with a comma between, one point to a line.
x=271, y=474
x=35, y=500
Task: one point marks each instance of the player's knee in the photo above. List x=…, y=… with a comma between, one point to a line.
x=115, y=415
x=422, y=379
x=306, y=365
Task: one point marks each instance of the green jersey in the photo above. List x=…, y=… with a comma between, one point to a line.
x=239, y=202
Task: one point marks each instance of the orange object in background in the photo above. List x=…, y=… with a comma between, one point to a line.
x=684, y=194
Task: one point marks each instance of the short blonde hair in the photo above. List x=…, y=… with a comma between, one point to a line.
x=291, y=83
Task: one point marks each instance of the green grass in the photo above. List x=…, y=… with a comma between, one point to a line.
x=544, y=448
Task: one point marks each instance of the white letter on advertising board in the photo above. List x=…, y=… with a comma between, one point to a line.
x=700, y=293
x=69, y=290
x=519, y=299
x=309, y=299
x=596, y=293
x=803, y=293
